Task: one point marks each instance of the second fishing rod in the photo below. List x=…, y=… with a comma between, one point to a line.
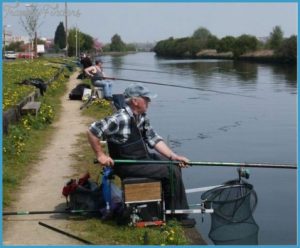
x=177, y=86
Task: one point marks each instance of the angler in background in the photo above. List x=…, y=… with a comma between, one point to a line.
x=85, y=61
x=129, y=136
x=97, y=75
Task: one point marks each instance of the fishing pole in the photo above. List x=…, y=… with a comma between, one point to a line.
x=65, y=233
x=219, y=164
x=177, y=86
x=50, y=212
x=156, y=71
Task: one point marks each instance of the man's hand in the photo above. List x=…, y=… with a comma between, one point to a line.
x=111, y=78
x=105, y=160
x=183, y=160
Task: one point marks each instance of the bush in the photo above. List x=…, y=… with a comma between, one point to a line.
x=226, y=44
x=244, y=43
x=288, y=50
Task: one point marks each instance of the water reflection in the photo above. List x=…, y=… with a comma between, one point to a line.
x=246, y=71
x=288, y=72
x=207, y=73
x=117, y=61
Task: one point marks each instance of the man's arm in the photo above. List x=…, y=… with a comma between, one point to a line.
x=97, y=148
x=163, y=149
x=88, y=70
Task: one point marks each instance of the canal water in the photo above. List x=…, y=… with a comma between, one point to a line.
x=255, y=123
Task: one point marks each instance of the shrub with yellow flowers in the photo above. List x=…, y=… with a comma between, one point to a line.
x=14, y=72
x=172, y=234
x=14, y=144
x=46, y=114
x=101, y=102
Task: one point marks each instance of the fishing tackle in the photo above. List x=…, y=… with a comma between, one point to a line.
x=221, y=164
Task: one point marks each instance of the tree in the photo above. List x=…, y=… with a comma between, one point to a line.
x=106, y=48
x=288, y=49
x=117, y=44
x=193, y=47
x=226, y=44
x=275, y=38
x=72, y=41
x=85, y=41
x=165, y=47
x=212, y=42
x=205, y=38
x=244, y=43
x=60, y=36
x=202, y=34
x=182, y=47
x=97, y=45
x=30, y=20
x=131, y=47
x=16, y=46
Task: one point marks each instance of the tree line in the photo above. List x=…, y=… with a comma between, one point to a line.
x=86, y=43
x=77, y=40
x=202, y=39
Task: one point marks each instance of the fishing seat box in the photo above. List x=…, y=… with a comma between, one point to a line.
x=144, y=194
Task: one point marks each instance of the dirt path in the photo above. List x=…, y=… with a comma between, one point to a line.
x=42, y=191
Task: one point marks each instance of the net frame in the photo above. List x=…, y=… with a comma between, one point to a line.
x=223, y=196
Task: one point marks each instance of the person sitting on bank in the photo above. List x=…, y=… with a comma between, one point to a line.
x=86, y=62
x=97, y=79
x=129, y=134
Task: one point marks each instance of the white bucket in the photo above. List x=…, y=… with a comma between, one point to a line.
x=86, y=94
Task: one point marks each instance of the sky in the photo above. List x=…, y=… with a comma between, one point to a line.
x=151, y=22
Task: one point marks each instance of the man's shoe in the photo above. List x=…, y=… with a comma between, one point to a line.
x=185, y=221
x=108, y=98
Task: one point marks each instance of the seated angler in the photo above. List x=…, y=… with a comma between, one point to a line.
x=129, y=135
x=97, y=79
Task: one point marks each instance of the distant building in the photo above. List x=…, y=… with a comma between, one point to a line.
x=9, y=38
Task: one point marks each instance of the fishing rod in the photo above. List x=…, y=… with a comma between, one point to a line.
x=219, y=164
x=65, y=233
x=177, y=86
x=166, y=84
x=156, y=71
x=50, y=212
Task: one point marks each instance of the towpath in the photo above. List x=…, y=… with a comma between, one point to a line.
x=42, y=190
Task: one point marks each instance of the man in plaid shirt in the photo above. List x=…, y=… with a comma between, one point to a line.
x=129, y=134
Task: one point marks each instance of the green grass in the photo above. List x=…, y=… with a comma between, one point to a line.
x=17, y=71
x=15, y=169
x=108, y=233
